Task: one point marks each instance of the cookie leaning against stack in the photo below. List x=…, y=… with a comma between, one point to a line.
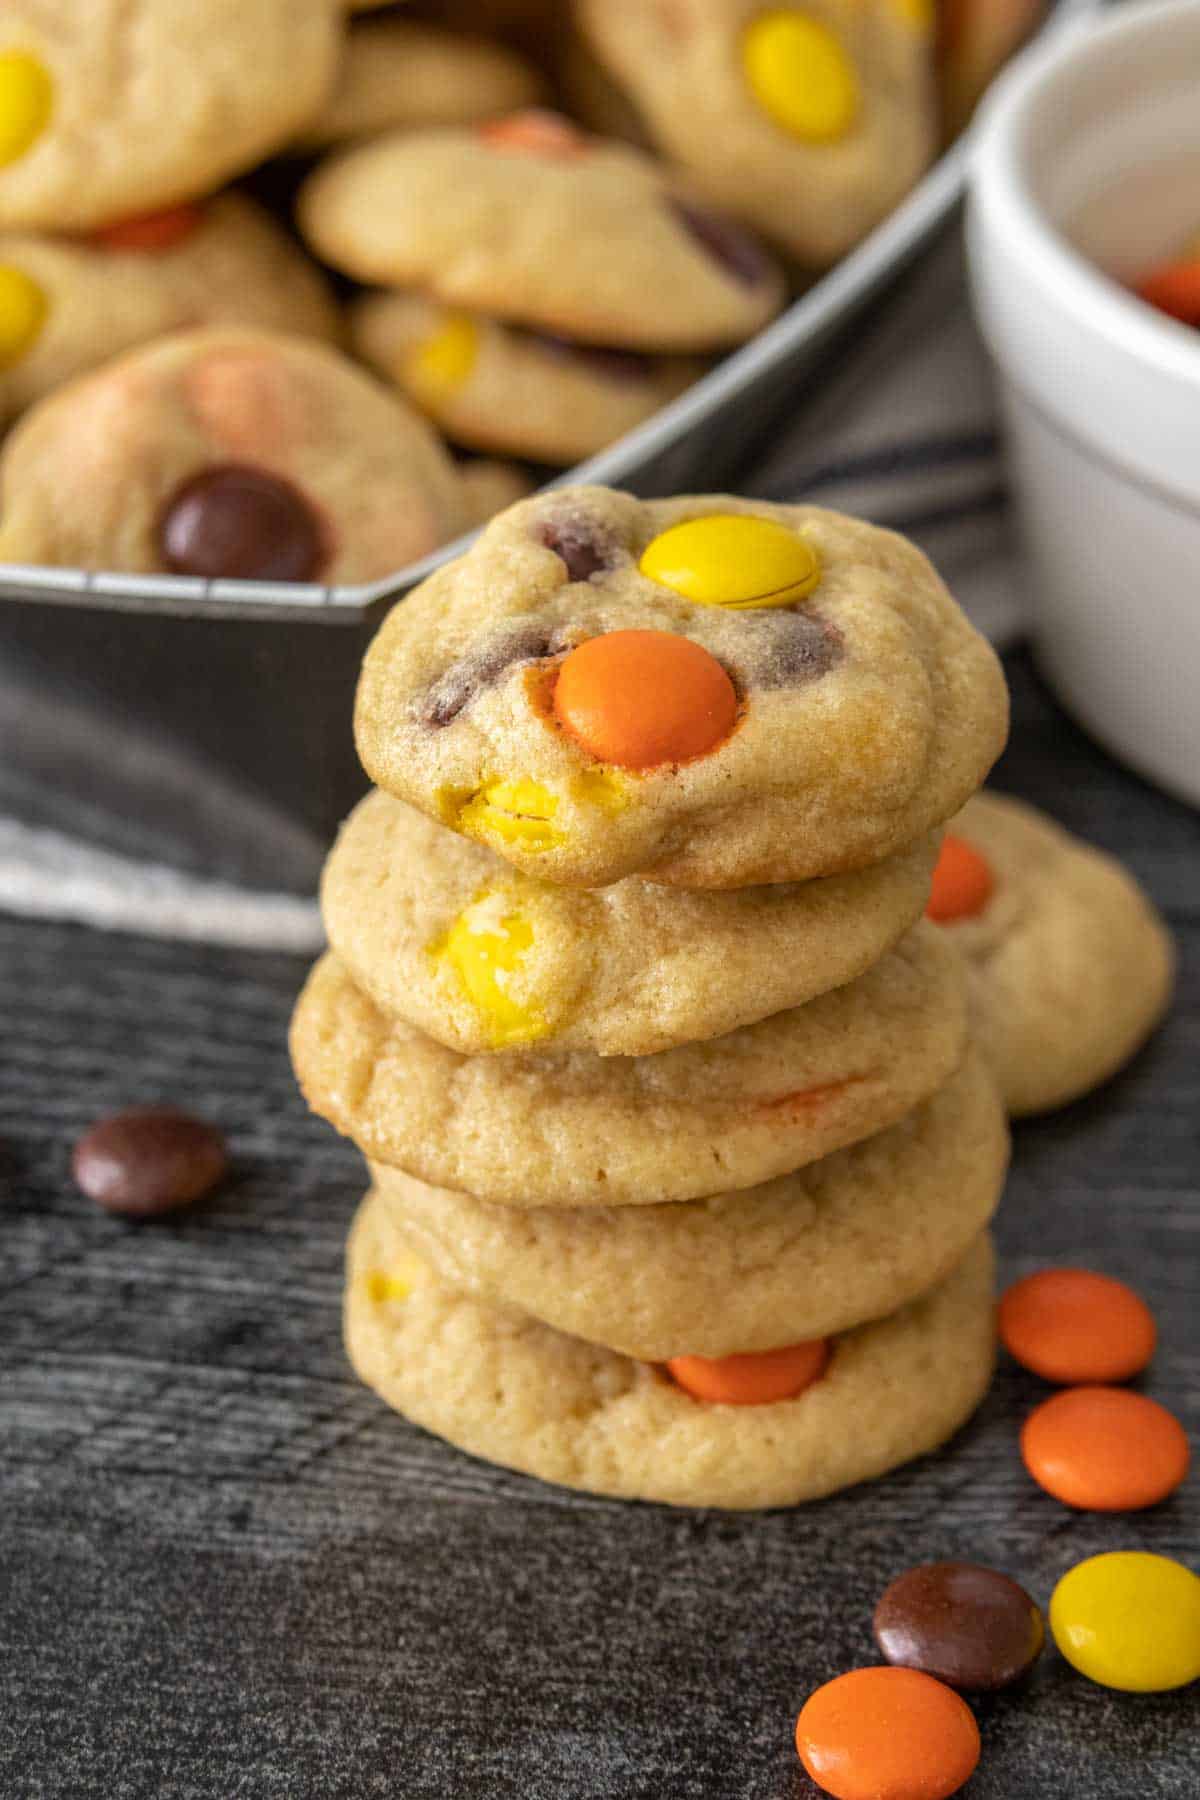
x=681, y=1183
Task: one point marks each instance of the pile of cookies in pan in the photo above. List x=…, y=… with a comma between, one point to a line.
x=537, y=285
x=682, y=1154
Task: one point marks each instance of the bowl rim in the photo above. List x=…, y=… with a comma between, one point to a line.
x=1002, y=202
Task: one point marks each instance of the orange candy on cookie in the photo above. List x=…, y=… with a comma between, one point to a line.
x=1071, y=1325
x=1104, y=1449
x=885, y=1733
x=536, y=132
x=962, y=882
x=756, y=1379
x=642, y=698
x=157, y=231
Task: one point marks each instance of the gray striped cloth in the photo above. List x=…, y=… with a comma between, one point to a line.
x=900, y=431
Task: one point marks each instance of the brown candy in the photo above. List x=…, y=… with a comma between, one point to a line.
x=969, y=1626
x=149, y=1160
x=737, y=252
x=583, y=545
x=625, y=366
x=236, y=523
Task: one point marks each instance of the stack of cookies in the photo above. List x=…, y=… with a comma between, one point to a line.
x=682, y=1158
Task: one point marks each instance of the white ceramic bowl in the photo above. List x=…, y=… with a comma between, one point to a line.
x=1087, y=170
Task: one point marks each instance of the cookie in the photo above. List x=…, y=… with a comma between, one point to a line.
x=1069, y=966
x=399, y=74
x=975, y=38
x=227, y=454
x=566, y=1128
x=69, y=304
x=110, y=109
x=502, y=1386
x=713, y=692
x=489, y=485
x=849, y=1238
x=530, y=220
x=502, y=387
x=810, y=122
x=440, y=932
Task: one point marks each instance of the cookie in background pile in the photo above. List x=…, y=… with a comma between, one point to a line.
x=681, y=1183
x=1070, y=967
x=247, y=455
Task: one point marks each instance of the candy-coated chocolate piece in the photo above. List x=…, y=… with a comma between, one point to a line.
x=887, y=1734
x=963, y=882
x=800, y=75
x=643, y=698
x=727, y=242
x=1129, y=1620
x=1174, y=289
x=443, y=361
x=149, y=1160
x=757, y=1379
x=536, y=132
x=969, y=1626
x=1104, y=1449
x=733, y=560
x=241, y=524
x=23, y=309
x=151, y=233
x=1072, y=1326
x=26, y=102
x=484, y=946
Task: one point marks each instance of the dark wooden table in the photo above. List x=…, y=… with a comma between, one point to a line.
x=227, y=1571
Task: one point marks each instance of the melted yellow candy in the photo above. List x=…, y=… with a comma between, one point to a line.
x=1130, y=1620
x=442, y=362
x=23, y=309
x=397, y=1281
x=733, y=560
x=519, y=812
x=26, y=101
x=596, y=787
x=484, y=945
x=800, y=75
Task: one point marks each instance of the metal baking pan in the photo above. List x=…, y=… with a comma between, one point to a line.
x=231, y=701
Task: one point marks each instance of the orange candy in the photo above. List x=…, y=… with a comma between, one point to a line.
x=536, y=132
x=1174, y=288
x=886, y=1733
x=641, y=698
x=1104, y=1449
x=962, y=882
x=1070, y=1325
x=754, y=1379
x=152, y=231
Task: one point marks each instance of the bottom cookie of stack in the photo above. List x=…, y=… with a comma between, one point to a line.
x=505, y=1387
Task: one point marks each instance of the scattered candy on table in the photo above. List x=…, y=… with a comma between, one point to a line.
x=149, y=1160
x=1129, y=1620
x=969, y=1626
x=1105, y=1449
x=887, y=1734
x=1072, y=1325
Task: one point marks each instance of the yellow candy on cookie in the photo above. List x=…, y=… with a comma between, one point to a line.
x=733, y=560
x=445, y=359
x=26, y=102
x=514, y=811
x=485, y=945
x=801, y=76
x=403, y=1273
x=23, y=309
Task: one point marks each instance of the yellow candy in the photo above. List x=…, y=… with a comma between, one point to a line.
x=1129, y=1620
x=442, y=362
x=800, y=75
x=485, y=945
x=734, y=561
x=23, y=309
x=597, y=787
x=26, y=100
x=520, y=812
x=397, y=1281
